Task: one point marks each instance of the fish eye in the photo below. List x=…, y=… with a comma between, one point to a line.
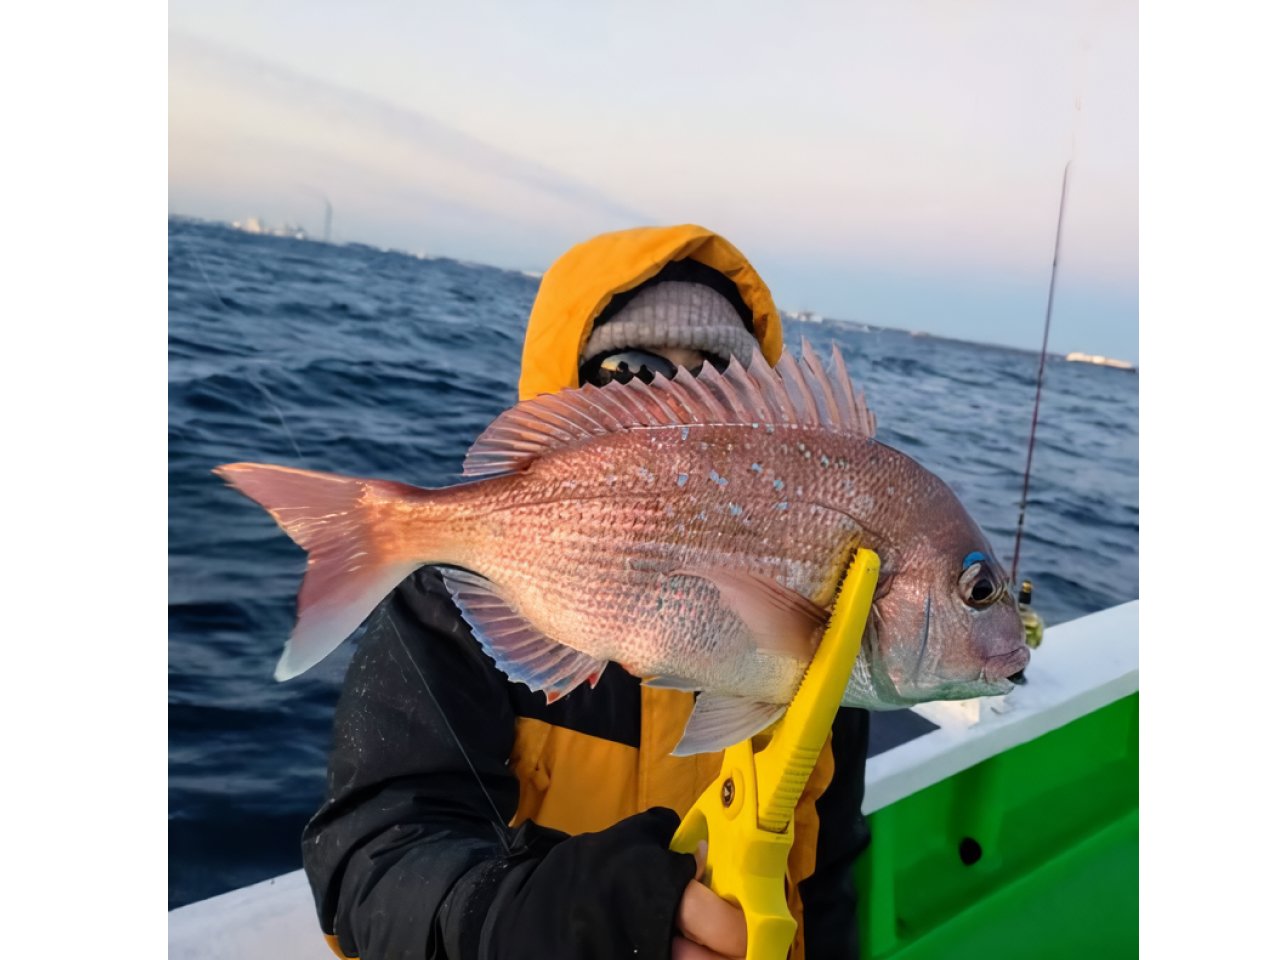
x=980, y=583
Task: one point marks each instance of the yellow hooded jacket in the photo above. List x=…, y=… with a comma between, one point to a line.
x=401, y=856
x=573, y=781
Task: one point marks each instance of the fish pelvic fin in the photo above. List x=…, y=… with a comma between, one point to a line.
x=521, y=651
x=719, y=721
x=352, y=531
x=795, y=392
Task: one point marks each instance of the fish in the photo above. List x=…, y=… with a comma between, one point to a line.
x=694, y=530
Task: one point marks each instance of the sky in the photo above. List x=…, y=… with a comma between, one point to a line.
x=894, y=163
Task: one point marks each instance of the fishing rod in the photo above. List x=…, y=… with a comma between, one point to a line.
x=1044, y=350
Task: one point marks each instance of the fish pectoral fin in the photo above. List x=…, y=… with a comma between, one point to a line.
x=521, y=651
x=673, y=683
x=718, y=722
x=781, y=621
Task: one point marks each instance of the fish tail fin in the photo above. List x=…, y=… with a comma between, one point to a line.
x=358, y=548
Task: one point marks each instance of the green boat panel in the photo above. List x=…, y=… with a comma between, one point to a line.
x=1031, y=853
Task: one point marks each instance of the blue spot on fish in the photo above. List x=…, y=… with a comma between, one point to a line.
x=782, y=505
x=824, y=460
x=722, y=481
x=778, y=484
x=684, y=433
x=735, y=509
x=756, y=468
x=682, y=480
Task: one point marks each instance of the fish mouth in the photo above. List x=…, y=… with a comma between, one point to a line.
x=1000, y=668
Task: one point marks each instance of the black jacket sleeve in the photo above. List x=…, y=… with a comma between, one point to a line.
x=830, y=901
x=410, y=857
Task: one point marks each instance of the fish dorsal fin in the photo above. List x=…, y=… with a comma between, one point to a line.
x=521, y=651
x=795, y=392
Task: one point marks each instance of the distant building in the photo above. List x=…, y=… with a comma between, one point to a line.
x=802, y=316
x=255, y=225
x=1100, y=361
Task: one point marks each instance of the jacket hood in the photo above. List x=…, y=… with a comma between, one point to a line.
x=580, y=284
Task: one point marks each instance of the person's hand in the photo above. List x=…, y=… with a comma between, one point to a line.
x=709, y=928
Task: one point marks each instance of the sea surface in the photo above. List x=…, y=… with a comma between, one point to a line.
x=374, y=363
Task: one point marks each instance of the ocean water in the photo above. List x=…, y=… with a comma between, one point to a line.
x=373, y=363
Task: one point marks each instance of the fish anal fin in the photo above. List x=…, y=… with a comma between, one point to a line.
x=521, y=650
x=781, y=621
x=718, y=722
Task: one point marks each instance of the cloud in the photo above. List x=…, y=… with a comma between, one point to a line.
x=251, y=137
x=906, y=173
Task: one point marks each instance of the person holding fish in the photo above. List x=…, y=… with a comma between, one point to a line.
x=635, y=578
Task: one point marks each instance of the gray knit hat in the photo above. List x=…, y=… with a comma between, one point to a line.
x=675, y=314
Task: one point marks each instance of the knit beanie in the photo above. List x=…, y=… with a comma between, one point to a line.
x=675, y=314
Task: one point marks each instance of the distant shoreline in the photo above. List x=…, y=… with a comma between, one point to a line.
x=296, y=235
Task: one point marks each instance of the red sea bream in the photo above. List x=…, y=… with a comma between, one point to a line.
x=694, y=530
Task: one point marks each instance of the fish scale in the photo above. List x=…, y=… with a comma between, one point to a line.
x=693, y=530
x=623, y=512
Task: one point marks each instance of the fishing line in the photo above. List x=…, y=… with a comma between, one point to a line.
x=249, y=373
x=499, y=823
